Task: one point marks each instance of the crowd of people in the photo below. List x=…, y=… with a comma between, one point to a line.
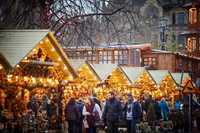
x=89, y=114
x=86, y=115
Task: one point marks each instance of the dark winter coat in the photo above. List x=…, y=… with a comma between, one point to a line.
x=112, y=111
x=72, y=112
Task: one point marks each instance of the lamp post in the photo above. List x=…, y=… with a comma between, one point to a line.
x=163, y=28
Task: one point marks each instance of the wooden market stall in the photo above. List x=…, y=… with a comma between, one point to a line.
x=165, y=83
x=118, y=82
x=38, y=64
x=91, y=78
x=141, y=81
x=181, y=78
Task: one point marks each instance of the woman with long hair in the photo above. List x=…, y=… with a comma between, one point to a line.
x=92, y=113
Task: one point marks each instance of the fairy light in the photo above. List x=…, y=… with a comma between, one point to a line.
x=1, y=67
x=33, y=80
x=59, y=59
x=47, y=40
x=65, y=68
x=25, y=78
x=17, y=65
x=41, y=42
x=52, y=49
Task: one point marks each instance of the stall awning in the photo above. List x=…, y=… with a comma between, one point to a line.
x=103, y=70
x=132, y=73
x=177, y=77
x=158, y=75
x=15, y=45
x=77, y=63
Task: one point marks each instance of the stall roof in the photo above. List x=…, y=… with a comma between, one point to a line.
x=132, y=73
x=77, y=63
x=177, y=77
x=16, y=44
x=158, y=75
x=103, y=70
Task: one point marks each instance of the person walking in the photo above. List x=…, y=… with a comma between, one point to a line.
x=72, y=115
x=112, y=112
x=80, y=105
x=92, y=113
x=133, y=113
x=164, y=109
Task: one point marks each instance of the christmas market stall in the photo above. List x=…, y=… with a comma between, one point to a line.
x=118, y=82
x=38, y=65
x=181, y=78
x=92, y=77
x=141, y=81
x=165, y=83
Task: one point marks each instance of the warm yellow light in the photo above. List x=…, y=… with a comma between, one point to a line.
x=47, y=40
x=17, y=65
x=25, y=78
x=41, y=42
x=59, y=59
x=25, y=58
x=1, y=67
x=16, y=77
x=33, y=80
x=34, y=50
x=70, y=77
x=9, y=76
x=65, y=68
x=52, y=49
x=41, y=80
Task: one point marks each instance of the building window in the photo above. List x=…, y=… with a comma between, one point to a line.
x=181, y=41
x=181, y=18
x=191, y=44
x=193, y=15
x=150, y=61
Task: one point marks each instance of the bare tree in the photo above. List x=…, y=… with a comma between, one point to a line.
x=77, y=22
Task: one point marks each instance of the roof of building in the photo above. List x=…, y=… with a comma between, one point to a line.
x=106, y=46
x=175, y=53
x=15, y=45
x=177, y=77
x=77, y=63
x=132, y=73
x=103, y=70
x=158, y=75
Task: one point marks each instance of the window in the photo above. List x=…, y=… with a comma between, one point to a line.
x=181, y=41
x=150, y=61
x=193, y=15
x=191, y=44
x=181, y=18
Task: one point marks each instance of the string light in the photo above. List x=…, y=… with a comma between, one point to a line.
x=41, y=42
x=52, y=49
x=47, y=40
x=1, y=67
x=59, y=59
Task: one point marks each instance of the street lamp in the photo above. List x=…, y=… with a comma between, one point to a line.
x=163, y=28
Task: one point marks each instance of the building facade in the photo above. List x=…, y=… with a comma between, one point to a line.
x=116, y=54
x=172, y=61
x=183, y=26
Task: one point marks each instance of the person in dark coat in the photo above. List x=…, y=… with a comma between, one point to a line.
x=72, y=115
x=112, y=112
x=80, y=105
x=133, y=113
